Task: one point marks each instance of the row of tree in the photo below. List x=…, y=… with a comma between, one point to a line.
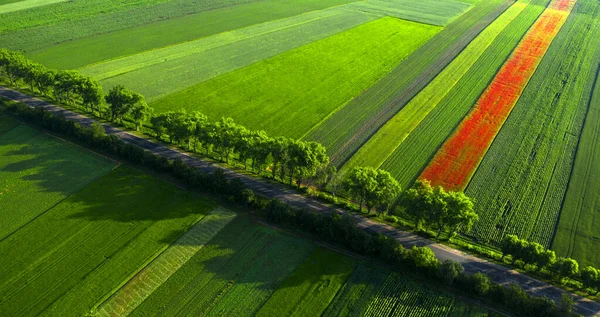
x=332, y=227
x=535, y=254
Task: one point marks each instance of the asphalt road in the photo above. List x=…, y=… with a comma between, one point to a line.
x=497, y=273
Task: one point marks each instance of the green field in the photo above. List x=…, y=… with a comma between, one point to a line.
x=576, y=235
x=303, y=86
x=40, y=169
x=11, y=5
x=520, y=185
x=387, y=139
x=409, y=159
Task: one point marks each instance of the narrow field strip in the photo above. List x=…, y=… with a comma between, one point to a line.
x=434, y=12
x=189, y=64
x=395, y=131
x=521, y=183
x=27, y=4
x=138, y=288
x=416, y=151
x=458, y=158
x=41, y=170
x=366, y=113
x=290, y=93
x=577, y=232
x=233, y=275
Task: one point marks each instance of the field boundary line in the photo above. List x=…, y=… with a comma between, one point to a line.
x=162, y=267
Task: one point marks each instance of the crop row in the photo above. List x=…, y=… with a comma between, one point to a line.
x=292, y=92
x=23, y=5
x=433, y=12
x=521, y=182
x=187, y=64
x=72, y=255
x=456, y=161
x=149, y=278
x=175, y=30
x=394, y=132
x=411, y=157
x=42, y=171
x=366, y=113
x=576, y=235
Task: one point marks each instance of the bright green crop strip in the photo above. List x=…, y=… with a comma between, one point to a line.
x=66, y=260
x=94, y=49
x=27, y=4
x=391, y=135
x=207, y=58
x=366, y=113
x=232, y=275
x=67, y=28
x=577, y=233
x=40, y=170
x=310, y=289
x=409, y=159
x=521, y=183
x=433, y=12
x=291, y=92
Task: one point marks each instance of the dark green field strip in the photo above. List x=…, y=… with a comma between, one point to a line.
x=40, y=170
x=409, y=159
x=2, y=2
x=134, y=40
x=434, y=12
x=358, y=291
x=7, y=123
x=313, y=285
x=68, y=259
x=232, y=275
x=365, y=114
x=520, y=185
x=577, y=233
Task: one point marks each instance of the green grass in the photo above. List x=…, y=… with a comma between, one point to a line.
x=42, y=27
x=409, y=159
x=97, y=48
x=65, y=261
x=577, y=232
x=312, y=286
x=234, y=274
x=366, y=113
x=7, y=123
x=37, y=171
x=23, y=5
x=187, y=64
x=434, y=12
x=391, y=135
x=521, y=183
x=290, y=93
x=3, y=2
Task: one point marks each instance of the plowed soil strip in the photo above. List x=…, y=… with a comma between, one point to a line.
x=456, y=161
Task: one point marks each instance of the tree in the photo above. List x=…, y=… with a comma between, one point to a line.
x=461, y=212
x=200, y=123
x=121, y=101
x=509, y=244
x=545, y=259
x=260, y=151
x=45, y=81
x=388, y=190
x=361, y=183
x=417, y=201
x=423, y=257
x=140, y=113
x=566, y=304
x=226, y=135
x=449, y=271
x=437, y=211
x=590, y=278
x=159, y=125
x=533, y=251
x=479, y=283
x=91, y=93
x=278, y=147
x=567, y=268
x=67, y=85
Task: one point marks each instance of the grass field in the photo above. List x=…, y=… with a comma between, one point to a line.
x=366, y=113
x=187, y=64
x=11, y=6
x=70, y=257
x=97, y=48
x=521, y=183
x=576, y=235
x=409, y=159
x=432, y=12
x=39, y=169
x=303, y=86
x=390, y=136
